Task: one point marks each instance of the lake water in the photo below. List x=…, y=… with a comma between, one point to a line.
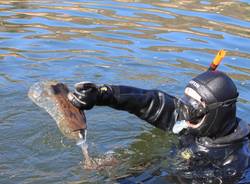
x=143, y=43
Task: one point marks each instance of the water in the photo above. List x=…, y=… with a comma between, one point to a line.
x=146, y=43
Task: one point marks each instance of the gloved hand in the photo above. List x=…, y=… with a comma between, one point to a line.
x=85, y=95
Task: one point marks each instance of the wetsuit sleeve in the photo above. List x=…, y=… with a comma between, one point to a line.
x=153, y=106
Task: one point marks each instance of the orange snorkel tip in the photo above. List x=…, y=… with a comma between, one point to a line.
x=217, y=60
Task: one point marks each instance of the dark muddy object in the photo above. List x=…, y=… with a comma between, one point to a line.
x=52, y=96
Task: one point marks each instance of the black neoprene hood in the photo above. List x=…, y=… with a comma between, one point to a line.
x=213, y=87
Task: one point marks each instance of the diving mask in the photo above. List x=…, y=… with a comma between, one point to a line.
x=190, y=109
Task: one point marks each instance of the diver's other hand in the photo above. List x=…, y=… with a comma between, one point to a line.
x=85, y=95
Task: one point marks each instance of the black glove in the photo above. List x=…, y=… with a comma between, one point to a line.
x=84, y=96
x=87, y=95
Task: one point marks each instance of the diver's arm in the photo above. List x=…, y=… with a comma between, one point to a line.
x=153, y=106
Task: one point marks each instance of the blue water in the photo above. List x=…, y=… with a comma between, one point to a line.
x=143, y=43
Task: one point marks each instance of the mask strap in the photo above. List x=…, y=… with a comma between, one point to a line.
x=219, y=104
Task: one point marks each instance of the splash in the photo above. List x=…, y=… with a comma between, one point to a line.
x=84, y=146
x=98, y=163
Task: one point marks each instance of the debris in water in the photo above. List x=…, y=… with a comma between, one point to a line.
x=52, y=96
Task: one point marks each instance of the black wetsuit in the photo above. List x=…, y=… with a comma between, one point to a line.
x=198, y=159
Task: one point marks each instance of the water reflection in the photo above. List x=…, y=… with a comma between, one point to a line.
x=144, y=43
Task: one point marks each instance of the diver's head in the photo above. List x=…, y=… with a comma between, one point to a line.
x=209, y=105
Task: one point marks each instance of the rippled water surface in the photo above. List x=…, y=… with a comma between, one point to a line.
x=144, y=43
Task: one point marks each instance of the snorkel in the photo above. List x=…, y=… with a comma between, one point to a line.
x=217, y=60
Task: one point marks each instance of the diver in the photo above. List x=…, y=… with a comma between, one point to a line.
x=213, y=142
